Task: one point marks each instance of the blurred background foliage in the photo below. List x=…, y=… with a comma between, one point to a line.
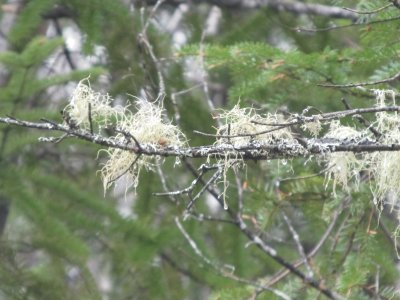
x=61, y=238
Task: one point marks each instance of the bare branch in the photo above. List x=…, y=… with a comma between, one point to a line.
x=239, y=194
x=295, y=7
x=126, y=171
x=264, y=247
x=190, y=188
x=292, y=269
x=202, y=217
x=370, y=11
x=301, y=29
x=300, y=119
x=280, y=275
x=203, y=189
x=174, y=103
x=251, y=151
x=279, y=181
x=363, y=121
x=144, y=40
x=220, y=270
x=164, y=183
x=192, y=243
x=300, y=248
x=387, y=80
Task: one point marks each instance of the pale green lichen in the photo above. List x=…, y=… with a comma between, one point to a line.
x=149, y=128
x=241, y=127
x=146, y=125
x=380, y=165
x=383, y=165
x=314, y=127
x=342, y=166
x=244, y=125
x=87, y=105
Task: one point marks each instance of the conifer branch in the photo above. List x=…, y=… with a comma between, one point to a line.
x=369, y=12
x=263, y=246
x=294, y=7
x=336, y=27
x=281, y=149
x=387, y=80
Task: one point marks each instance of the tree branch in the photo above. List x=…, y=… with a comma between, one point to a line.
x=387, y=80
x=264, y=247
x=250, y=151
x=295, y=7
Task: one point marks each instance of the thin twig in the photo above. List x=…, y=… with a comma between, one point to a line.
x=386, y=232
x=203, y=189
x=203, y=169
x=164, y=183
x=370, y=11
x=240, y=135
x=202, y=217
x=301, y=119
x=161, y=91
x=175, y=104
x=363, y=121
x=129, y=135
x=151, y=15
x=387, y=80
x=210, y=103
x=300, y=248
x=239, y=193
x=192, y=243
x=351, y=241
x=280, y=275
x=301, y=29
x=90, y=117
x=178, y=266
x=66, y=51
x=226, y=274
x=124, y=172
x=268, y=250
x=292, y=269
x=305, y=177
x=144, y=40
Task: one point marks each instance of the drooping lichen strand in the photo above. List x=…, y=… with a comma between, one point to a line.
x=144, y=126
x=87, y=105
x=243, y=126
x=246, y=122
x=240, y=127
x=383, y=165
x=342, y=166
x=148, y=127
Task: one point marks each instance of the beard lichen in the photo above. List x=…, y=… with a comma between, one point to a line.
x=149, y=129
x=383, y=165
x=342, y=166
x=314, y=127
x=243, y=127
x=88, y=106
x=146, y=126
x=380, y=165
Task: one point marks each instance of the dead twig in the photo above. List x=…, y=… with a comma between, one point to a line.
x=387, y=80
x=369, y=12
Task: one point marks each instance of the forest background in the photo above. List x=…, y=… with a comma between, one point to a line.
x=296, y=224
